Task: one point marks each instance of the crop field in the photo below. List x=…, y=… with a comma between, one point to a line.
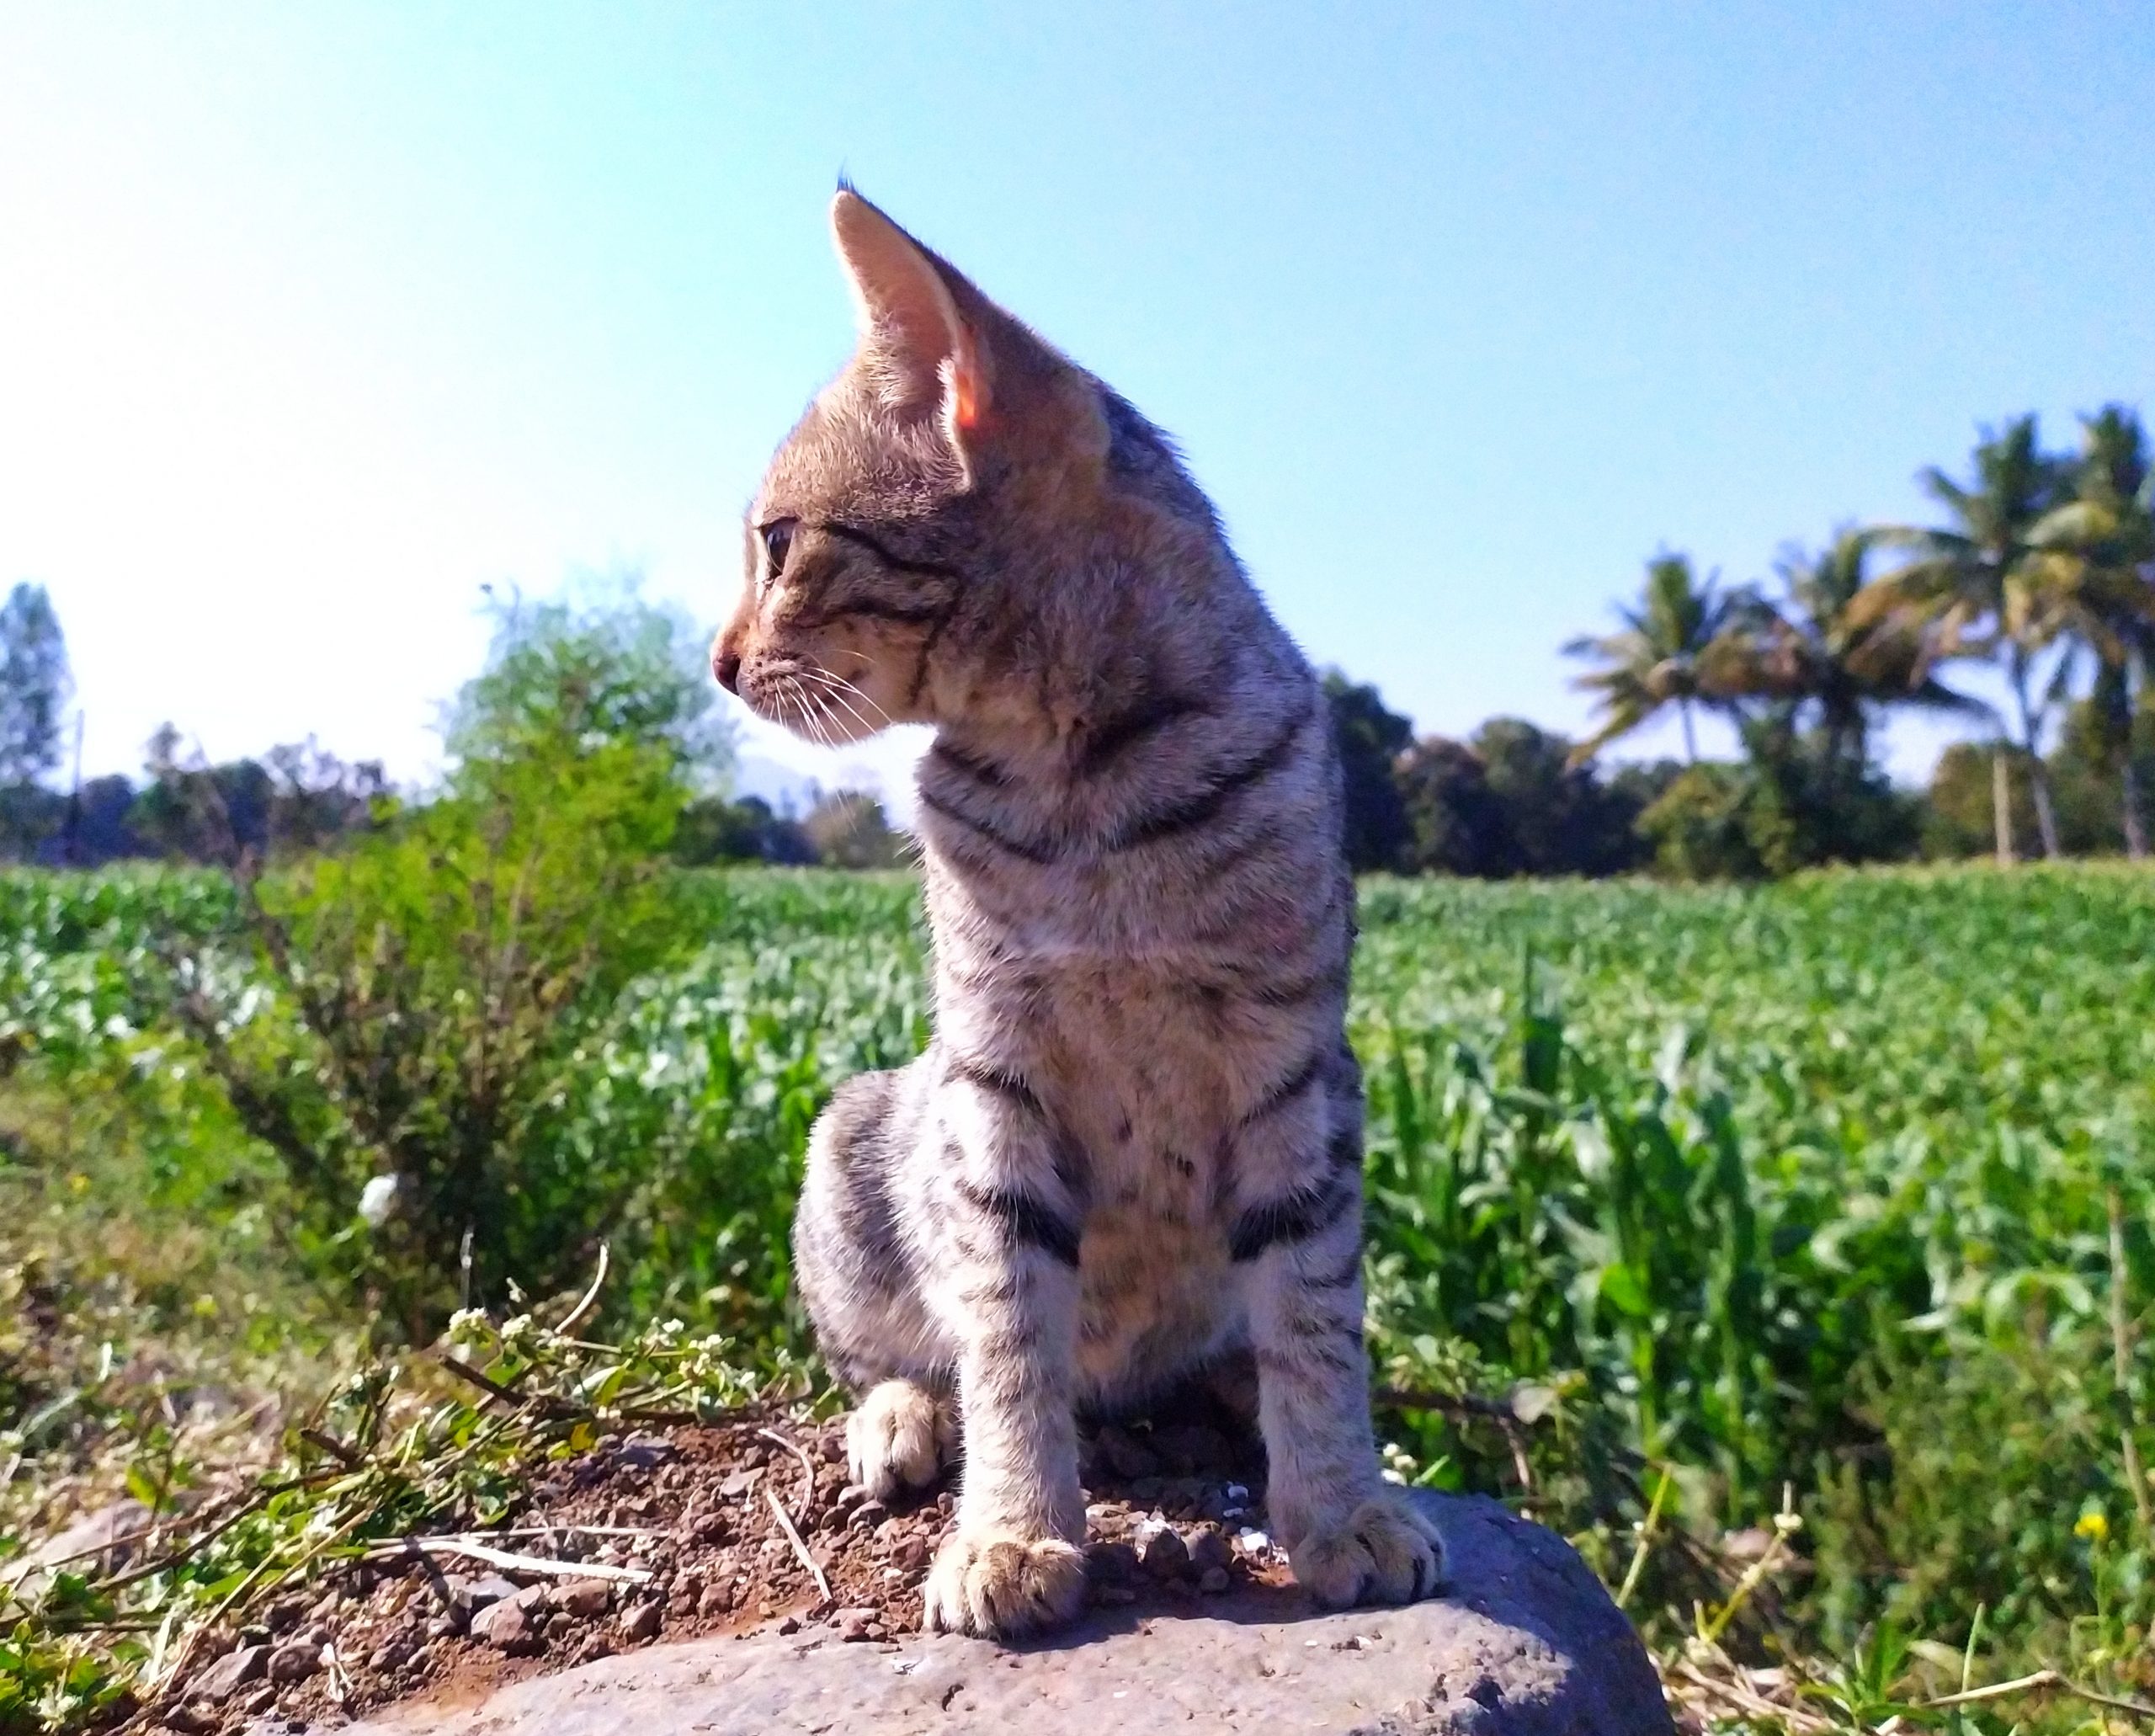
x=1792, y=1249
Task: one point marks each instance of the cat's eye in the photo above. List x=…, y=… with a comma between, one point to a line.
x=778, y=543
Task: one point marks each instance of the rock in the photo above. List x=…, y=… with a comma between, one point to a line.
x=1209, y=1549
x=641, y=1623
x=584, y=1599
x=1165, y=1553
x=235, y=1671
x=859, y=1624
x=474, y=1596
x=294, y=1663
x=1525, y=1642
x=510, y=1626
x=1212, y=1581
x=102, y=1542
x=390, y=1656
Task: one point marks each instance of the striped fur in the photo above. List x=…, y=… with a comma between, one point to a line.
x=1133, y=1149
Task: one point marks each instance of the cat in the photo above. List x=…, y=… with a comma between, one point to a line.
x=1132, y=1151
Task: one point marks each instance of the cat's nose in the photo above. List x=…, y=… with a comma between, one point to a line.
x=727, y=666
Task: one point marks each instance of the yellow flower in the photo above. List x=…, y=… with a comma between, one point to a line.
x=2092, y=1525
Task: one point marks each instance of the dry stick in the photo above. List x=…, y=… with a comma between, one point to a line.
x=590, y=1296
x=534, y=1564
x=808, y=1489
x=2041, y=1679
x=1795, y=1718
x=800, y=1548
x=2121, y=1363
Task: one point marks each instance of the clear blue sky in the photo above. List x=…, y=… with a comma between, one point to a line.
x=314, y=318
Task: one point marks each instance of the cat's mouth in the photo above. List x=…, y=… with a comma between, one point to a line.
x=811, y=701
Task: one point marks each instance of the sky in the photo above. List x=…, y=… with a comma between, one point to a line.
x=315, y=321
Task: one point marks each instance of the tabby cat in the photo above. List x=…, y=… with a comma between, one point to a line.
x=1133, y=1151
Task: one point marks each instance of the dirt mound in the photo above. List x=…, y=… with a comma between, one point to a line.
x=700, y=1532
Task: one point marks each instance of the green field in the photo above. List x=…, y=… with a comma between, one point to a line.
x=1837, y=1192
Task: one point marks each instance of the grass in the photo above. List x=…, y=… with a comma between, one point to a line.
x=1790, y=1250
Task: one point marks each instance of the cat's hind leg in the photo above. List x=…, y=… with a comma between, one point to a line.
x=858, y=1278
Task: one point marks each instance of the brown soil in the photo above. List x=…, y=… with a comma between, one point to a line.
x=1172, y=1520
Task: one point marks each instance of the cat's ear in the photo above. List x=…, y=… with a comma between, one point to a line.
x=925, y=358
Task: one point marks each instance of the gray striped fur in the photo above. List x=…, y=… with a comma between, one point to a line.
x=1133, y=1149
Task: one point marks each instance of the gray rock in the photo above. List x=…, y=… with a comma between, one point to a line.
x=103, y=1541
x=236, y=1670
x=510, y=1626
x=294, y=1662
x=1524, y=1643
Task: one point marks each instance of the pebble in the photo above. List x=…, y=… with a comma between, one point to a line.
x=294, y=1663
x=474, y=1596
x=641, y=1623
x=390, y=1656
x=859, y=1624
x=791, y=1624
x=1212, y=1580
x=1165, y=1555
x=868, y=1515
x=584, y=1598
x=235, y=1671
x=511, y=1626
x=1209, y=1549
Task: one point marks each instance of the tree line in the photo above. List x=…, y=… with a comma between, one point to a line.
x=635, y=663
x=2039, y=569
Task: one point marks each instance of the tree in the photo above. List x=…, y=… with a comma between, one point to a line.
x=1515, y=800
x=1973, y=587
x=1369, y=738
x=1455, y=822
x=35, y=685
x=848, y=829
x=2096, y=567
x=1660, y=659
x=1809, y=649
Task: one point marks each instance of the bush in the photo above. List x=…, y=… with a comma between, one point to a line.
x=434, y=982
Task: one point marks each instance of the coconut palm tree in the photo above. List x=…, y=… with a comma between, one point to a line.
x=1661, y=656
x=2097, y=564
x=1807, y=648
x=1974, y=588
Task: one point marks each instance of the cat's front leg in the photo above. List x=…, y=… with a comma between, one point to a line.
x=1008, y=1296
x=1352, y=1537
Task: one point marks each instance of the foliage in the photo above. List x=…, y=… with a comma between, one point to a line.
x=1514, y=802
x=35, y=685
x=1369, y=738
x=1809, y=1184
x=1665, y=655
x=847, y=830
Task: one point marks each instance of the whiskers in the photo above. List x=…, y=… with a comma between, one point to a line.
x=815, y=700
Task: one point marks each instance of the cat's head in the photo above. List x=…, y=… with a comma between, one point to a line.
x=893, y=551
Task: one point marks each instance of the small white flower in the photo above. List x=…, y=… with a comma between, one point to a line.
x=378, y=1201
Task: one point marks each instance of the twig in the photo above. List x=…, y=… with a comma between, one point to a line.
x=1402, y=1398
x=808, y=1489
x=335, y=1448
x=1736, y=1695
x=508, y=1395
x=2042, y=1679
x=800, y=1548
x=590, y=1296
x=1646, y=1541
x=537, y=1564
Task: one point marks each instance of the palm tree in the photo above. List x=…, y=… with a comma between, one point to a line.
x=2097, y=563
x=1809, y=648
x=1660, y=659
x=1975, y=588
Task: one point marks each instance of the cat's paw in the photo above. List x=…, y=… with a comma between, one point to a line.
x=998, y=1586
x=899, y=1438
x=1384, y=1553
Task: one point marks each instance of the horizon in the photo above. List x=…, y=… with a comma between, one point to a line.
x=314, y=324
